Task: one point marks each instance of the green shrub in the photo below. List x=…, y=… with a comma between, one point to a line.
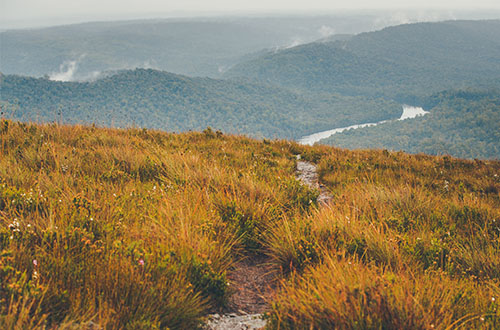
x=245, y=225
x=211, y=284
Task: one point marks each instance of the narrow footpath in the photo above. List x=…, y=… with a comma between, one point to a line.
x=308, y=173
x=253, y=280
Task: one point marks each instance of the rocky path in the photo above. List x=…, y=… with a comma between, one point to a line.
x=253, y=279
x=234, y=321
x=307, y=173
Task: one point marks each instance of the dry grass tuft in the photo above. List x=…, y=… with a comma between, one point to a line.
x=138, y=229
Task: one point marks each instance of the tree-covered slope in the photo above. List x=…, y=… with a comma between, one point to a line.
x=461, y=123
x=155, y=99
x=398, y=62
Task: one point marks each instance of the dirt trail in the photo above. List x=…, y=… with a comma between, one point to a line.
x=253, y=279
x=253, y=282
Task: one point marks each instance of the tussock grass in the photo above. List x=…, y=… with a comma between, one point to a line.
x=131, y=228
x=408, y=242
x=345, y=293
x=138, y=229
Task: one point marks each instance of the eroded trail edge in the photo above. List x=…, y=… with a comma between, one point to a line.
x=253, y=279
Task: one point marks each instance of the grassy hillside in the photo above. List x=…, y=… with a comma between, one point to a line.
x=138, y=229
x=461, y=123
x=397, y=62
x=131, y=228
x=155, y=99
x=409, y=242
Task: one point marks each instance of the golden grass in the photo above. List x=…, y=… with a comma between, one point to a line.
x=130, y=228
x=137, y=229
x=408, y=242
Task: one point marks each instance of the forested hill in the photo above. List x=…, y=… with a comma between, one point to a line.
x=398, y=62
x=155, y=99
x=462, y=123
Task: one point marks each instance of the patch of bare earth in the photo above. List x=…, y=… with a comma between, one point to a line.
x=252, y=283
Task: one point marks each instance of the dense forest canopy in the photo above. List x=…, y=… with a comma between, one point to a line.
x=155, y=99
x=462, y=123
x=339, y=81
x=452, y=69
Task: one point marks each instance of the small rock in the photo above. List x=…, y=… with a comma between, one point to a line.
x=235, y=322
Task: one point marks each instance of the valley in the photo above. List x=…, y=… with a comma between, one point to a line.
x=307, y=170
x=342, y=81
x=408, y=113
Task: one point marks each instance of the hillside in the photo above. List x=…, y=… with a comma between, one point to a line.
x=461, y=123
x=141, y=229
x=195, y=47
x=289, y=93
x=402, y=62
x=155, y=99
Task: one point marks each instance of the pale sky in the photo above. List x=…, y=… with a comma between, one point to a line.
x=28, y=12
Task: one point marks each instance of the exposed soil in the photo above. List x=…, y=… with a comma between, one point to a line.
x=253, y=280
x=253, y=283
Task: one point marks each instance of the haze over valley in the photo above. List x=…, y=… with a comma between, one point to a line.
x=273, y=77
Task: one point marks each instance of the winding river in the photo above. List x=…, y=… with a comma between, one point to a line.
x=408, y=112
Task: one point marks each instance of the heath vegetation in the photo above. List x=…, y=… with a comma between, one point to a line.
x=139, y=229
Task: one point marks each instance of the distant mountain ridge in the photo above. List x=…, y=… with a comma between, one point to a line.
x=194, y=47
x=339, y=81
x=397, y=62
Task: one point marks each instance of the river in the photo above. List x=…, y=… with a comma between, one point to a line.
x=408, y=113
